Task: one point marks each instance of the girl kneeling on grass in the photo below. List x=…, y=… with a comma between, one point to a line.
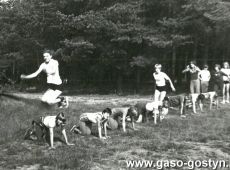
x=87, y=119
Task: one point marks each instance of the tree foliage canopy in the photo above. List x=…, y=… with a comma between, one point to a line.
x=107, y=41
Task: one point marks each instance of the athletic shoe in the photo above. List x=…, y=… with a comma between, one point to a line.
x=64, y=103
x=223, y=102
x=182, y=116
x=227, y=101
x=128, y=119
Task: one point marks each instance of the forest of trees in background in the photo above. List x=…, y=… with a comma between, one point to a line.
x=112, y=45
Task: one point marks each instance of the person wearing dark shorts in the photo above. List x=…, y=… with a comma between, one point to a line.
x=54, y=82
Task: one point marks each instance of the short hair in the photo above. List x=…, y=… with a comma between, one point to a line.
x=133, y=109
x=61, y=117
x=166, y=98
x=201, y=97
x=218, y=66
x=226, y=63
x=107, y=110
x=205, y=66
x=158, y=66
x=51, y=52
x=193, y=62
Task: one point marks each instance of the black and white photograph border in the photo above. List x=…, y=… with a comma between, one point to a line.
x=114, y=84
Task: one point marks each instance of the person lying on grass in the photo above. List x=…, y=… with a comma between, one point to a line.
x=87, y=119
x=122, y=114
x=46, y=125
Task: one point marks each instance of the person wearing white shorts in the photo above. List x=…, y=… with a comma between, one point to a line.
x=54, y=82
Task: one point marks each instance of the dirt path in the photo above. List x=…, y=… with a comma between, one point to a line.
x=95, y=99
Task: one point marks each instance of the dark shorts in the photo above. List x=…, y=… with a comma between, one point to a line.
x=226, y=82
x=54, y=86
x=161, y=88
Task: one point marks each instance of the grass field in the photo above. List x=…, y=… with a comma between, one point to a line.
x=203, y=136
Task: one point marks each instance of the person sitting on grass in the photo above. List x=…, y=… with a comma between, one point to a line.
x=87, y=119
x=121, y=115
x=46, y=125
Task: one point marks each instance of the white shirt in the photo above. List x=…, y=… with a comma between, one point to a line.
x=160, y=78
x=92, y=117
x=204, y=75
x=49, y=121
x=52, y=71
x=226, y=71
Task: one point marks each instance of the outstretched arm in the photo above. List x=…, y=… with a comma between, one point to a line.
x=99, y=129
x=51, y=138
x=123, y=121
x=186, y=70
x=170, y=82
x=105, y=129
x=35, y=74
x=65, y=136
x=133, y=123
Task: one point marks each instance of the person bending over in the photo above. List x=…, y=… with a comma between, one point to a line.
x=87, y=119
x=47, y=124
x=122, y=114
x=54, y=82
x=175, y=101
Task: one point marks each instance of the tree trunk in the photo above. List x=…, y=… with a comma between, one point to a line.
x=13, y=69
x=119, y=83
x=206, y=51
x=138, y=80
x=174, y=63
x=195, y=48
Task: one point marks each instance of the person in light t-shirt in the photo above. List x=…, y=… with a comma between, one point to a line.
x=160, y=88
x=204, y=76
x=88, y=119
x=47, y=124
x=54, y=82
x=226, y=71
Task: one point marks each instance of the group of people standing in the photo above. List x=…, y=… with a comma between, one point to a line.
x=201, y=80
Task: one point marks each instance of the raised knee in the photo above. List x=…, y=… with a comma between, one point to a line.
x=44, y=100
x=112, y=124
